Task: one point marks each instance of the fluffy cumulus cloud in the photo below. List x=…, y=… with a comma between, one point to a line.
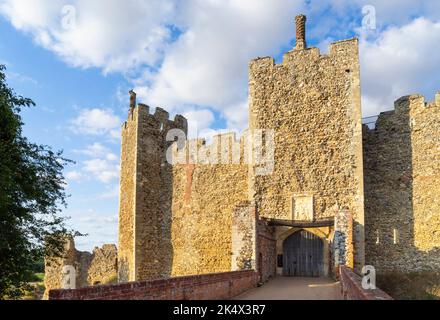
x=98, y=150
x=191, y=57
x=401, y=61
x=181, y=53
x=207, y=65
x=97, y=122
x=102, y=169
x=114, y=35
x=100, y=164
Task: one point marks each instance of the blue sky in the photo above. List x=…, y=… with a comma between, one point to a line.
x=60, y=92
x=189, y=57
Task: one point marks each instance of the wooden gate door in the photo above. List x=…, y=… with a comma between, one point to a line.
x=303, y=255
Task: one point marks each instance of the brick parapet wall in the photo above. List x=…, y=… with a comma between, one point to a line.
x=201, y=287
x=351, y=284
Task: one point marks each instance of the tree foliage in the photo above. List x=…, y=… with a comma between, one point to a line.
x=31, y=193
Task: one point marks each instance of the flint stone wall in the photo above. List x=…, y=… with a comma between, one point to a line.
x=312, y=102
x=99, y=267
x=402, y=185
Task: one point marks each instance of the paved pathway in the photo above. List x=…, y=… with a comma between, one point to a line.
x=295, y=288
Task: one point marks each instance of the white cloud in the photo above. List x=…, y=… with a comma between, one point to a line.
x=98, y=150
x=201, y=61
x=98, y=122
x=102, y=165
x=102, y=169
x=100, y=226
x=114, y=35
x=110, y=193
x=208, y=64
x=198, y=120
x=74, y=176
x=98, y=219
x=402, y=61
x=237, y=115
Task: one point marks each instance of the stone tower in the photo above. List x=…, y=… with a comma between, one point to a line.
x=145, y=194
x=312, y=102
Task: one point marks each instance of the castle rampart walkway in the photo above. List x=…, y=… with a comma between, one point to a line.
x=295, y=288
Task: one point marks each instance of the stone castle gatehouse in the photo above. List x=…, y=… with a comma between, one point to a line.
x=327, y=191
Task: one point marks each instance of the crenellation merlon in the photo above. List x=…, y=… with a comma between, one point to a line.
x=224, y=148
x=415, y=102
x=311, y=53
x=161, y=115
x=408, y=106
x=159, y=120
x=407, y=101
x=337, y=50
x=262, y=63
x=343, y=46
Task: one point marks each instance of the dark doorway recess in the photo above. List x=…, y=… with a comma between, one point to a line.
x=303, y=255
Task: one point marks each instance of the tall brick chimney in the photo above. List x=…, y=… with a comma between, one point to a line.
x=301, y=32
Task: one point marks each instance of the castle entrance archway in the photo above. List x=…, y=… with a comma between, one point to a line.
x=303, y=255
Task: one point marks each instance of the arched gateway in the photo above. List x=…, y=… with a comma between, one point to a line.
x=303, y=255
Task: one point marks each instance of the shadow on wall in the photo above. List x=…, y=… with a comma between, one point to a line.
x=401, y=191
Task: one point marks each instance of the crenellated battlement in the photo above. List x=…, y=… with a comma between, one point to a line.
x=406, y=108
x=416, y=101
x=224, y=148
x=303, y=157
x=337, y=51
x=159, y=120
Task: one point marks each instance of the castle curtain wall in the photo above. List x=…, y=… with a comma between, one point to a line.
x=402, y=187
x=176, y=218
x=205, y=197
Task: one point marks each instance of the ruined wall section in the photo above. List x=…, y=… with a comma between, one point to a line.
x=206, y=191
x=402, y=187
x=312, y=101
x=99, y=267
x=103, y=266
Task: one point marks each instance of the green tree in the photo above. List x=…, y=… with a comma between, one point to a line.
x=31, y=193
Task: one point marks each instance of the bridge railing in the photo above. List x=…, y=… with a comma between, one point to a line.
x=351, y=285
x=217, y=286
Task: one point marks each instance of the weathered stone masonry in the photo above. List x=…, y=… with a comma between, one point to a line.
x=98, y=267
x=402, y=186
x=146, y=195
x=371, y=196
x=203, y=217
x=200, y=217
x=312, y=101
